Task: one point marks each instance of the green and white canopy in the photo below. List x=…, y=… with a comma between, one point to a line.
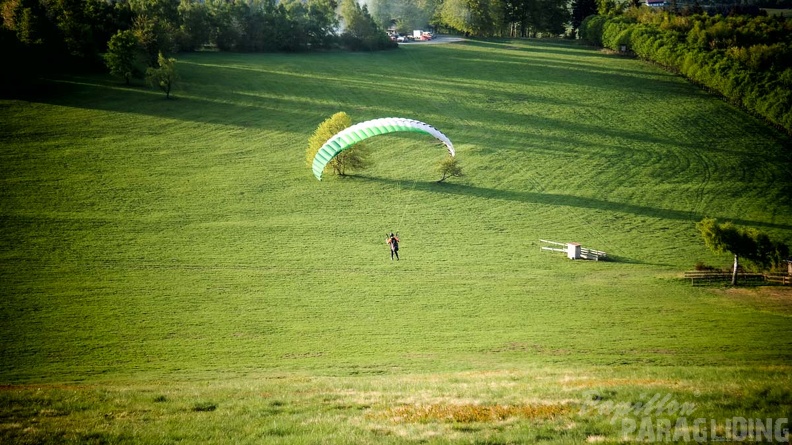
x=350, y=136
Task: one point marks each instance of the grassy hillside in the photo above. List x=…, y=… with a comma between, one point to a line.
x=169, y=254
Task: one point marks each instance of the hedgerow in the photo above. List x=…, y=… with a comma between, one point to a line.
x=746, y=59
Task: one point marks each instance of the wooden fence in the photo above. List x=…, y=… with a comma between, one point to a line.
x=785, y=280
x=703, y=277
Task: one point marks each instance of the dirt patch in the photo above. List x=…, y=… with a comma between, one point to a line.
x=775, y=299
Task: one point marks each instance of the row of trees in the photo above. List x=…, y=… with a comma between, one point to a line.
x=129, y=35
x=746, y=59
x=77, y=33
x=484, y=18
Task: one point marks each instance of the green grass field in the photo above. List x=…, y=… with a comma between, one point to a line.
x=781, y=12
x=171, y=271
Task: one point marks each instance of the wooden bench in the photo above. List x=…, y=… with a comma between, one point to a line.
x=591, y=254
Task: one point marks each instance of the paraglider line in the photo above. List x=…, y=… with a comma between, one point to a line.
x=401, y=220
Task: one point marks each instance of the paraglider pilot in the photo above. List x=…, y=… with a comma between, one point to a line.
x=393, y=241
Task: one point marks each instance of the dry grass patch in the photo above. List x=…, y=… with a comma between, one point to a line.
x=773, y=299
x=470, y=413
x=623, y=382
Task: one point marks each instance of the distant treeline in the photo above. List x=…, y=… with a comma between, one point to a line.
x=746, y=59
x=53, y=34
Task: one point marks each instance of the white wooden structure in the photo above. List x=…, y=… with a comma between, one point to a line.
x=574, y=251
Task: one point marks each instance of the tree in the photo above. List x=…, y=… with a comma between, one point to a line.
x=726, y=237
x=194, y=27
x=123, y=56
x=472, y=17
x=164, y=76
x=164, y=10
x=448, y=167
x=404, y=15
x=297, y=15
x=85, y=27
x=351, y=158
x=36, y=31
x=549, y=17
x=580, y=10
x=748, y=244
x=155, y=36
x=226, y=27
x=361, y=32
x=770, y=254
x=609, y=7
x=322, y=23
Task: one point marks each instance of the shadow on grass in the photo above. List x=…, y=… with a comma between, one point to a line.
x=557, y=199
x=549, y=46
x=97, y=92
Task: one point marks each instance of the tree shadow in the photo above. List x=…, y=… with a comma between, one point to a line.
x=564, y=200
x=536, y=45
x=284, y=99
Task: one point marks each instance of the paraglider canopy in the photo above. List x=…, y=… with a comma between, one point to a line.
x=350, y=136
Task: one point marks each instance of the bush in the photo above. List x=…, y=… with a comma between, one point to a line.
x=448, y=167
x=591, y=29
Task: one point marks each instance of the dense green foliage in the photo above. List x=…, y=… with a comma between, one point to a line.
x=172, y=272
x=744, y=243
x=64, y=33
x=123, y=56
x=404, y=16
x=67, y=34
x=746, y=59
x=507, y=18
x=353, y=158
x=361, y=32
x=49, y=34
x=580, y=10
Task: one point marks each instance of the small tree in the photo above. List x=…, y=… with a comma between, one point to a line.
x=725, y=237
x=449, y=166
x=164, y=76
x=748, y=244
x=353, y=158
x=123, y=56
